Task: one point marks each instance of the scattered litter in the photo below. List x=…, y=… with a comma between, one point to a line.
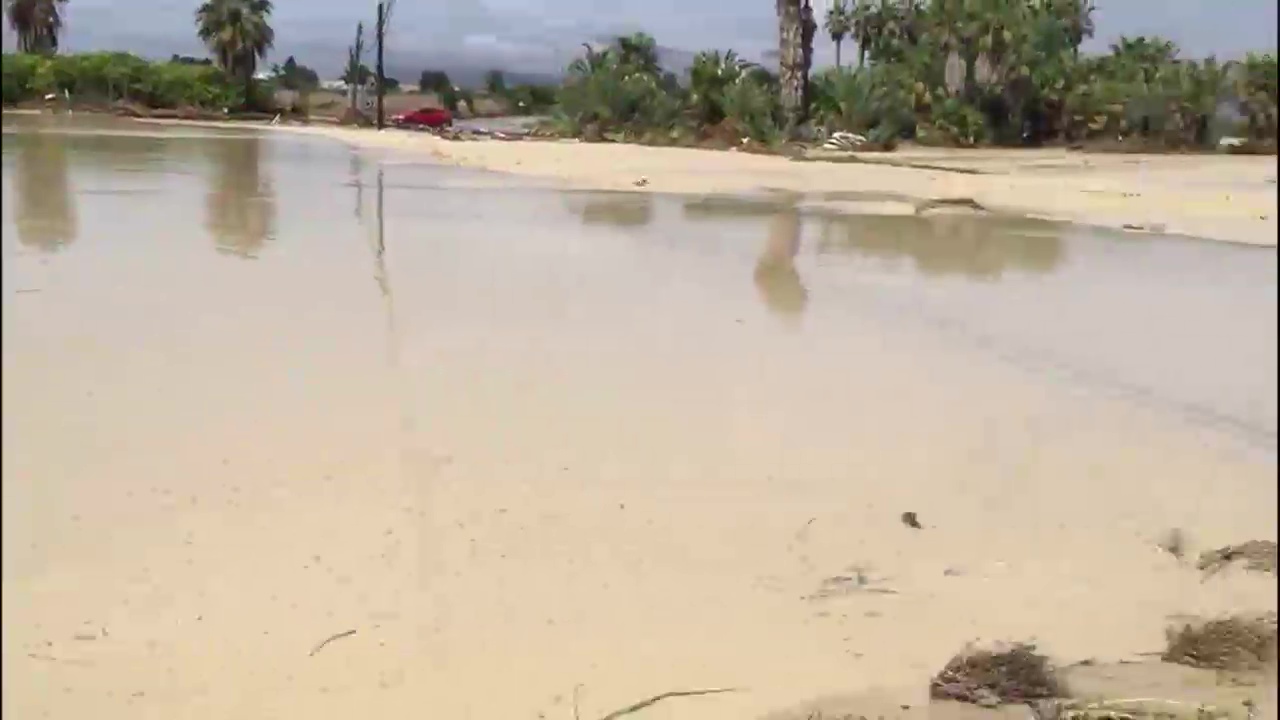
x=64, y=661
x=846, y=141
x=858, y=581
x=1148, y=227
x=643, y=181
x=1129, y=709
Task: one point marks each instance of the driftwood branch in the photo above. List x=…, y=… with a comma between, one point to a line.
x=336, y=636
x=637, y=707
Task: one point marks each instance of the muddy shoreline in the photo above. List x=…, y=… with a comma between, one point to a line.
x=1218, y=197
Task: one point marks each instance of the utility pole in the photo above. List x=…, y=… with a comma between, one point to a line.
x=381, y=33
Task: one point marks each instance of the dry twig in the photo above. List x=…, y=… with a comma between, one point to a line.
x=331, y=638
x=637, y=707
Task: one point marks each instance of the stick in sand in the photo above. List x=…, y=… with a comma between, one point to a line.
x=331, y=638
x=637, y=707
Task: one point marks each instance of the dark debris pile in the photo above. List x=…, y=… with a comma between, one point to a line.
x=989, y=677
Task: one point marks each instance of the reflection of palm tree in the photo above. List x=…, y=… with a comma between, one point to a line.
x=45, y=213
x=976, y=247
x=618, y=209
x=241, y=206
x=776, y=278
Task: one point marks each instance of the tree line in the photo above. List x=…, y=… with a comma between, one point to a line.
x=954, y=72
x=948, y=72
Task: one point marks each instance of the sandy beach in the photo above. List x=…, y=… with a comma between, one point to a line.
x=293, y=431
x=1231, y=198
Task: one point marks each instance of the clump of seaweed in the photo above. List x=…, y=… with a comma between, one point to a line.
x=1238, y=643
x=994, y=676
x=1256, y=555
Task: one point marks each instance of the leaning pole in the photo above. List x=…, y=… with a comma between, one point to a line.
x=381, y=27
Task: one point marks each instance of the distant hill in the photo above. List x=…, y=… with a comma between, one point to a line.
x=466, y=75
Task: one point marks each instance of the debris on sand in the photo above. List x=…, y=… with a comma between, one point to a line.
x=1135, y=709
x=910, y=520
x=1257, y=555
x=1175, y=543
x=989, y=677
x=1238, y=643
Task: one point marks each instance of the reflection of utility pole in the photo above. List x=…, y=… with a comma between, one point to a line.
x=380, y=275
x=358, y=182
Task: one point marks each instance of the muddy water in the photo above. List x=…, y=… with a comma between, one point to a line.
x=541, y=449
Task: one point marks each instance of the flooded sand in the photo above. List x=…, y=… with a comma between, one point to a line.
x=539, y=449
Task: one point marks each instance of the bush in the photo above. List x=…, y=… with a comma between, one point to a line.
x=114, y=77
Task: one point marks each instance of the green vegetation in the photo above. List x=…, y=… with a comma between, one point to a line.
x=292, y=76
x=237, y=33
x=947, y=72
x=118, y=77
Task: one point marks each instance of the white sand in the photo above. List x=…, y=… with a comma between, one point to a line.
x=1230, y=198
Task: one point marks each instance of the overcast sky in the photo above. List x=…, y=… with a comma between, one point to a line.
x=542, y=35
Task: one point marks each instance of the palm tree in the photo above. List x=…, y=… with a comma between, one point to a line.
x=837, y=22
x=1077, y=16
x=639, y=51
x=710, y=77
x=1144, y=53
x=860, y=22
x=795, y=54
x=36, y=23
x=238, y=34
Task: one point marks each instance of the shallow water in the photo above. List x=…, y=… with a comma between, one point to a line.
x=262, y=389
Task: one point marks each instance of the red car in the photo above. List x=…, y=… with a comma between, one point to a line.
x=424, y=118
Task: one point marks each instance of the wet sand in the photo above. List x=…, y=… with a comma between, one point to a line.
x=1230, y=198
x=260, y=390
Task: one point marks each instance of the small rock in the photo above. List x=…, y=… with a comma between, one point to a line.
x=909, y=519
x=643, y=181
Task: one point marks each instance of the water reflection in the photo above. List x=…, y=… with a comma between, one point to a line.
x=775, y=275
x=241, y=201
x=355, y=168
x=972, y=246
x=618, y=209
x=45, y=211
x=721, y=207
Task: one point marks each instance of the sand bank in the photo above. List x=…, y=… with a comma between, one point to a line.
x=1231, y=198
